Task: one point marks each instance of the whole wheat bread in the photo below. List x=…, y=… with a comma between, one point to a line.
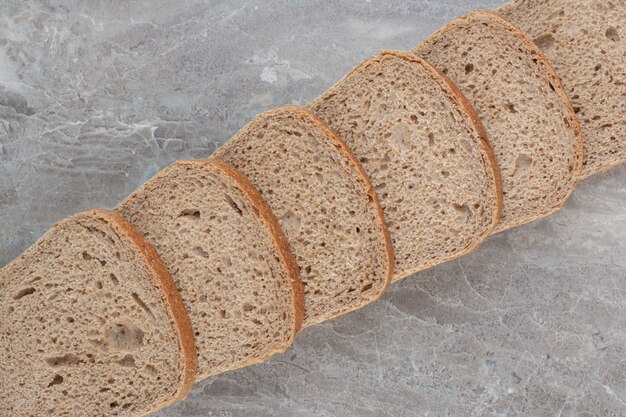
x=228, y=257
x=425, y=152
x=585, y=42
x=528, y=117
x=324, y=203
x=91, y=325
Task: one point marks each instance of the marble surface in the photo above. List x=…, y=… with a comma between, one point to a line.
x=97, y=96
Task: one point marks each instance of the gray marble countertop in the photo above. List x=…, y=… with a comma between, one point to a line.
x=95, y=97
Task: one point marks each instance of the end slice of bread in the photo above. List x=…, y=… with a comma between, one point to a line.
x=92, y=324
x=228, y=257
x=325, y=204
x=525, y=110
x=585, y=42
x=425, y=152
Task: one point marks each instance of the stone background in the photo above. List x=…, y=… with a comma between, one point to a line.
x=96, y=96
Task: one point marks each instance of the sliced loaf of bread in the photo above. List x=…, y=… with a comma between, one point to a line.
x=91, y=324
x=585, y=42
x=324, y=203
x=228, y=257
x=520, y=101
x=425, y=152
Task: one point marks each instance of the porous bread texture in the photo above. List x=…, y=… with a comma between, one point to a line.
x=324, y=203
x=91, y=325
x=425, y=153
x=529, y=120
x=228, y=258
x=585, y=41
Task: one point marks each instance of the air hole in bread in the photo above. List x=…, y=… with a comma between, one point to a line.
x=128, y=361
x=190, y=213
x=463, y=212
x=469, y=68
x=65, y=360
x=612, y=34
x=431, y=139
x=522, y=163
x=24, y=292
x=545, y=41
x=201, y=252
x=511, y=107
x=290, y=221
x=113, y=279
x=124, y=336
x=142, y=304
x=150, y=370
x=58, y=379
x=234, y=205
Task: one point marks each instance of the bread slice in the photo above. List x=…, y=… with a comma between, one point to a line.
x=324, y=203
x=228, y=257
x=424, y=150
x=585, y=42
x=91, y=324
x=528, y=117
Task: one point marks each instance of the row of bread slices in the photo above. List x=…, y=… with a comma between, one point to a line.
x=303, y=215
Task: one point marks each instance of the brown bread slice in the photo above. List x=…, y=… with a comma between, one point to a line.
x=324, y=203
x=585, y=42
x=91, y=324
x=425, y=152
x=228, y=257
x=528, y=117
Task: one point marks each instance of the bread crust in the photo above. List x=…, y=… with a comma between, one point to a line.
x=277, y=235
x=559, y=89
x=173, y=301
x=345, y=151
x=470, y=116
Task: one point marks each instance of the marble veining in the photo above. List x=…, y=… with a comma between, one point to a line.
x=95, y=97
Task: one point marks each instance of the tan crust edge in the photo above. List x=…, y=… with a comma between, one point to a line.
x=276, y=234
x=559, y=89
x=340, y=145
x=171, y=296
x=470, y=115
